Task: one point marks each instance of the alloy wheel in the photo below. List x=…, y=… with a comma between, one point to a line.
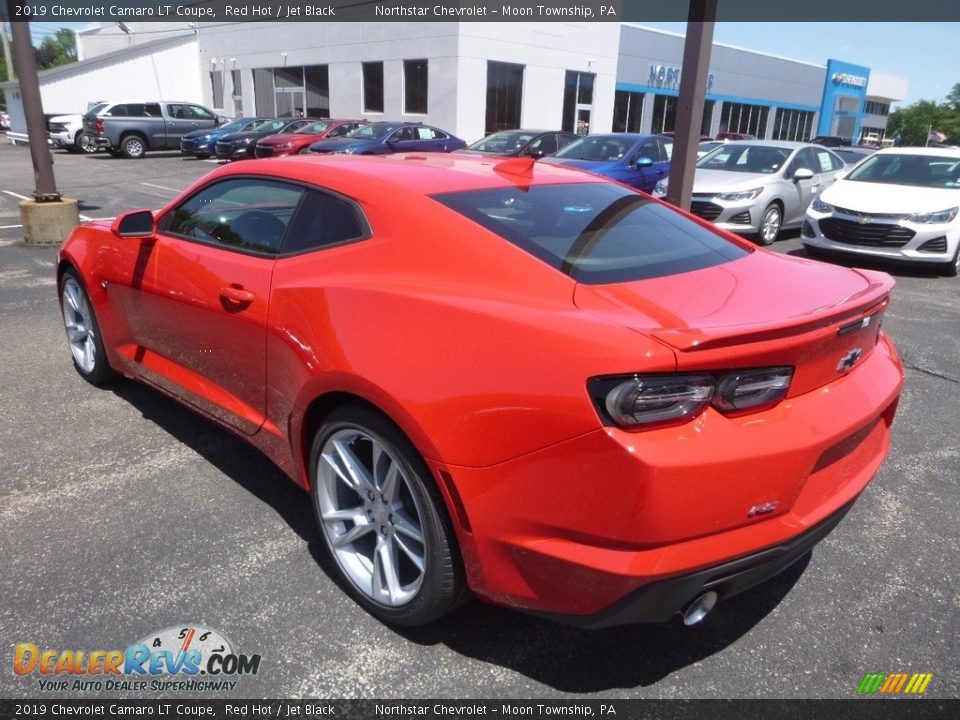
x=370, y=517
x=78, y=321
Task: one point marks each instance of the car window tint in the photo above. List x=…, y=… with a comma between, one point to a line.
x=177, y=112
x=246, y=213
x=321, y=220
x=667, y=147
x=152, y=110
x=595, y=233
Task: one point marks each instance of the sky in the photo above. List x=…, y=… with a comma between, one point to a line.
x=924, y=53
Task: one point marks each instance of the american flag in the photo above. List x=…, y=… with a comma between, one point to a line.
x=936, y=136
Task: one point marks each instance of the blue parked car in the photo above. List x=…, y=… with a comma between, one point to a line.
x=383, y=138
x=635, y=160
x=202, y=143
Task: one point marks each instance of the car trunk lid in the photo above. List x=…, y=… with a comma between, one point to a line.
x=762, y=310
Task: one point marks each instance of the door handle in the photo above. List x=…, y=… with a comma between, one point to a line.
x=236, y=296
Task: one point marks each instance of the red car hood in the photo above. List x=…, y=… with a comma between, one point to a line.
x=764, y=309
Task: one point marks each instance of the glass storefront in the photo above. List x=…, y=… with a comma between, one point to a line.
x=743, y=118
x=792, y=125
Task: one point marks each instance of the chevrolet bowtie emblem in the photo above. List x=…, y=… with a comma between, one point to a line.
x=849, y=360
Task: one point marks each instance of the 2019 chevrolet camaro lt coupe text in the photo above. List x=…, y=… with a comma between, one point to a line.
x=501, y=377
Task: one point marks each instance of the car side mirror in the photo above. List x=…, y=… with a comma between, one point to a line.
x=134, y=224
x=535, y=154
x=803, y=174
x=641, y=163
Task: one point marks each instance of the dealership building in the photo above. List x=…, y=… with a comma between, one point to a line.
x=470, y=78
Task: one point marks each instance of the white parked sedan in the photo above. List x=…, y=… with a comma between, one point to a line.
x=900, y=204
x=759, y=187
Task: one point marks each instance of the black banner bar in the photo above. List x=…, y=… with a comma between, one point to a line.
x=855, y=709
x=477, y=10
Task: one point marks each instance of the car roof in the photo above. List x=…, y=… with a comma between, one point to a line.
x=408, y=173
x=935, y=151
x=785, y=144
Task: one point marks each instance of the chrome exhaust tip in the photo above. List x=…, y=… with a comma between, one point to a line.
x=699, y=608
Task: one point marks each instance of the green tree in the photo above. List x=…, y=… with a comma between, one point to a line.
x=953, y=98
x=57, y=49
x=913, y=123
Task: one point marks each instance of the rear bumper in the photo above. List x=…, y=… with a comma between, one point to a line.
x=575, y=528
x=660, y=601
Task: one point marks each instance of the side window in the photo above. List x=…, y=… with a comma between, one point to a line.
x=564, y=140
x=828, y=161
x=341, y=130
x=245, y=213
x=403, y=134
x=177, y=112
x=152, y=110
x=136, y=110
x=543, y=145
x=198, y=112
x=425, y=133
x=667, y=148
x=649, y=149
x=323, y=220
x=804, y=159
x=118, y=111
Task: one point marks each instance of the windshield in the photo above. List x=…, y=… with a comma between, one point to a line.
x=595, y=232
x=317, y=127
x=502, y=142
x=235, y=125
x=761, y=159
x=929, y=171
x=605, y=148
x=371, y=132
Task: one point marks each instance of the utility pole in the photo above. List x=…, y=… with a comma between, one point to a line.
x=693, y=90
x=11, y=75
x=48, y=218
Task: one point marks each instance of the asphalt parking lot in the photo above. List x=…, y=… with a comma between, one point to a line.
x=122, y=513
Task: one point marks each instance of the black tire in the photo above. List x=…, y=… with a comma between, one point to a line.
x=133, y=147
x=202, y=156
x=98, y=372
x=952, y=268
x=442, y=584
x=771, y=221
x=75, y=148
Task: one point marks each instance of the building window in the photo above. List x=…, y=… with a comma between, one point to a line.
x=742, y=118
x=877, y=108
x=504, y=96
x=263, y=91
x=373, y=87
x=792, y=124
x=664, y=113
x=627, y=109
x=415, y=87
x=317, y=79
x=216, y=86
x=577, y=102
x=237, y=93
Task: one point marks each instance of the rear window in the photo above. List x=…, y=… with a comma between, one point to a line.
x=595, y=232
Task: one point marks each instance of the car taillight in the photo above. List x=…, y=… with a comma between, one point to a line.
x=637, y=402
x=99, y=125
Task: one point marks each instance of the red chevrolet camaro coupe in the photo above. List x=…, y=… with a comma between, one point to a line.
x=500, y=377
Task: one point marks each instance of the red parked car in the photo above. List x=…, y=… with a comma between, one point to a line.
x=508, y=378
x=297, y=142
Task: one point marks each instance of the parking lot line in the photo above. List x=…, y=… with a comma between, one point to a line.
x=160, y=187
